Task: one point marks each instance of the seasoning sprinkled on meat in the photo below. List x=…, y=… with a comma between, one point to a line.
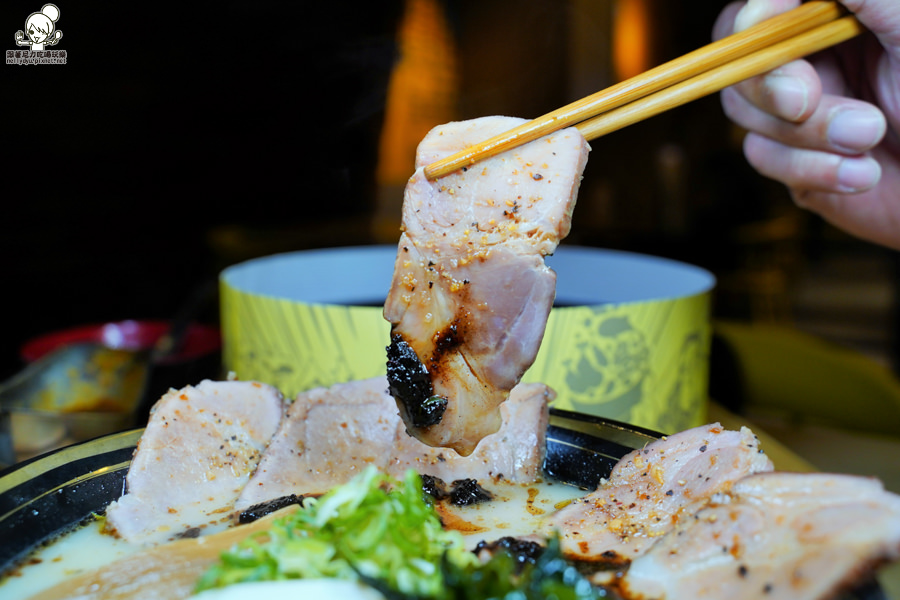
x=199, y=449
x=471, y=294
x=796, y=536
x=651, y=489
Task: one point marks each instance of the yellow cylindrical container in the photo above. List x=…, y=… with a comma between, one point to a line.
x=628, y=340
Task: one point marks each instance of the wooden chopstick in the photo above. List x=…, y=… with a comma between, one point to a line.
x=778, y=40
x=721, y=77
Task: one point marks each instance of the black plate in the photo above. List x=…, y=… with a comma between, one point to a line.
x=49, y=495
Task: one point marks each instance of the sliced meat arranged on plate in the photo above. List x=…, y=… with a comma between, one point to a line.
x=652, y=489
x=784, y=536
x=329, y=435
x=698, y=514
x=199, y=448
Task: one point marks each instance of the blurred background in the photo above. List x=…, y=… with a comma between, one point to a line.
x=179, y=139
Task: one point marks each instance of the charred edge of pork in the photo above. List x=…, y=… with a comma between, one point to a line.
x=523, y=551
x=462, y=492
x=258, y=511
x=447, y=340
x=410, y=385
x=610, y=560
x=467, y=491
x=434, y=487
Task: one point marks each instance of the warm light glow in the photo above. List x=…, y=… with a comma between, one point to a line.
x=423, y=89
x=631, y=38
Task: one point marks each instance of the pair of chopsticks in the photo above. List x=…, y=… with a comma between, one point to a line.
x=809, y=28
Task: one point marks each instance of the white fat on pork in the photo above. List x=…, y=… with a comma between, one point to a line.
x=471, y=294
x=331, y=434
x=199, y=448
x=515, y=453
x=790, y=536
x=653, y=488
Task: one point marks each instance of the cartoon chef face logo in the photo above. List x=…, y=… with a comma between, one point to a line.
x=40, y=29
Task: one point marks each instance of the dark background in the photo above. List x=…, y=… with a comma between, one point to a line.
x=166, y=123
x=175, y=129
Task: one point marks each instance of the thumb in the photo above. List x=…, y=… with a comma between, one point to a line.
x=724, y=25
x=756, y=11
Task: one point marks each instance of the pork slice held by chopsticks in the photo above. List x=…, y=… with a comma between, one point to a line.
x=471, y=294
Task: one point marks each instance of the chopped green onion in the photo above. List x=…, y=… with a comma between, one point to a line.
x=387, y=534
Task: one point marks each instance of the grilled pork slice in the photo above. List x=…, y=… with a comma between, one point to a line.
x=794, y=536
x=327, y=437
x=199, y=448
x=331, y=434
x=514, y=454
x=653, y=488
x=470, y=293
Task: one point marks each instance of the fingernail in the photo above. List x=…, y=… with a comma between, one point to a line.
x=858, y=174
x=854, y=130
x=790, y=96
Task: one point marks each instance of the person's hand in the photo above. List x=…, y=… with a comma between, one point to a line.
x=828, y=127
